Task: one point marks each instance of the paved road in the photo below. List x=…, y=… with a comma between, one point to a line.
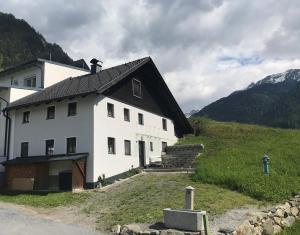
x=15, y=221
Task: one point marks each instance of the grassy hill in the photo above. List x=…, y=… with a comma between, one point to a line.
x=233, y=153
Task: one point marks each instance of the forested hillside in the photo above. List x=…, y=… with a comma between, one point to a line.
x=20, y=42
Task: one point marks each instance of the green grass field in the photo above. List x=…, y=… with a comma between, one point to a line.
x=233, y=153
x=140, y=199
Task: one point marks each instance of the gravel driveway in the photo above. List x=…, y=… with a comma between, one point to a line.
x=15, y=221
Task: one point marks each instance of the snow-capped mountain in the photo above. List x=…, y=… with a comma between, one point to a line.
x=289, y=75
x=272, y=101
x=192, y=112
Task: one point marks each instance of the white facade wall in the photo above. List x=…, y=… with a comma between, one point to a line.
x=104, y=127
x=19, y=76
x=91, y=127
x=55, y=73
x=46, y=74
x=40, y=129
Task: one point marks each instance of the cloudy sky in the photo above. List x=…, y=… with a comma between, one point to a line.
x=205, y=49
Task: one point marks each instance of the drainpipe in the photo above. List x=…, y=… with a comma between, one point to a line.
x=7, y=130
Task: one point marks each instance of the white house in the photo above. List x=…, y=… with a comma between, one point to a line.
x=26, y=78
x=106, y=122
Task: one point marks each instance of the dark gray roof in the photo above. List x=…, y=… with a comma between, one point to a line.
x=39, y=159
x=82, y=85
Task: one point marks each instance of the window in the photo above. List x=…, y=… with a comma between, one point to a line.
x=137, y=88
x=72, y=109
x=26, y=116
x=111, y=145
x=127, y=145
x=71, y=145
x=141, y=119
x=151, y=146
x=14, y=82
x=110, y=110
x=24, y=149
x=164, y=146
x=49, y=147
x=30, y=81
x=164, y=124
x=51, y=112
x=126, y=115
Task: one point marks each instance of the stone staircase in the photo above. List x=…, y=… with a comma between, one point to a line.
x=181, y=156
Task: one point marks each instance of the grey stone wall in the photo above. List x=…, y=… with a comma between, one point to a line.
x=181, y=156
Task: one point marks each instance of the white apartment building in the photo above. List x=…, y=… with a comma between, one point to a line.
x=104, y=123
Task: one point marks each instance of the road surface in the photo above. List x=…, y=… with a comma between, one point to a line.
x=16, y=221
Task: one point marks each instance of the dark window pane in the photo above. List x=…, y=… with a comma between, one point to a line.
x=49, y=147
x=137, y=88
x=127, y=147
x=51, y=112
x=71, y=145
x=110, y=110
x=164, y=146
x=126, y=115
x=111, y=145
x=151, y=146
x=24, y=149
x=26, y=116
x=164, y=124
x=141, y=119
x=72, y=109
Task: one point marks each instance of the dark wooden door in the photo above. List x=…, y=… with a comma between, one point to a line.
x=142, y=153
x=65, y=181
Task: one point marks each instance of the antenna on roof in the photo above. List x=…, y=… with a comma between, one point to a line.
x=95, y=67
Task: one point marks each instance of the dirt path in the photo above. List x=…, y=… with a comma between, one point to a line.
x=232, y=218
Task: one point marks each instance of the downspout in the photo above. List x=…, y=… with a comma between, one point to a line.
x=7, y=129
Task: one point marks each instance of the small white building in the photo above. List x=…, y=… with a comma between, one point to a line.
x=103, y=123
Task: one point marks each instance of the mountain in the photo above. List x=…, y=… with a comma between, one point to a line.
x=272, y=101
x=20, y=42
x=192, y=112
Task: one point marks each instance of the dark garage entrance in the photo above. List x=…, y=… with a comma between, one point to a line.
x=65, y=181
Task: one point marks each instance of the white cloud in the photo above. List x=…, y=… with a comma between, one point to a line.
x=186, y=38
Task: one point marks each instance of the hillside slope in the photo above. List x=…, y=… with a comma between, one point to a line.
x=233, y=158
x=20, y=42
x=273, y=101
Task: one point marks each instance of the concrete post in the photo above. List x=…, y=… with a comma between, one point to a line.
x=189, y=198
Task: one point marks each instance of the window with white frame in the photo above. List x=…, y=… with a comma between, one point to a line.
x=126, y=115
x=49, y=147
x=127, y=145
x=71, y=145
x=110, y=110
x=137, y=88
x=26, y=116
x=111, y=144
x=141, y=118
x=51, y=112
x=30, y=81
x=72, y=109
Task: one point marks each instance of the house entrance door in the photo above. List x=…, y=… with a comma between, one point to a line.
x=142, y=153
